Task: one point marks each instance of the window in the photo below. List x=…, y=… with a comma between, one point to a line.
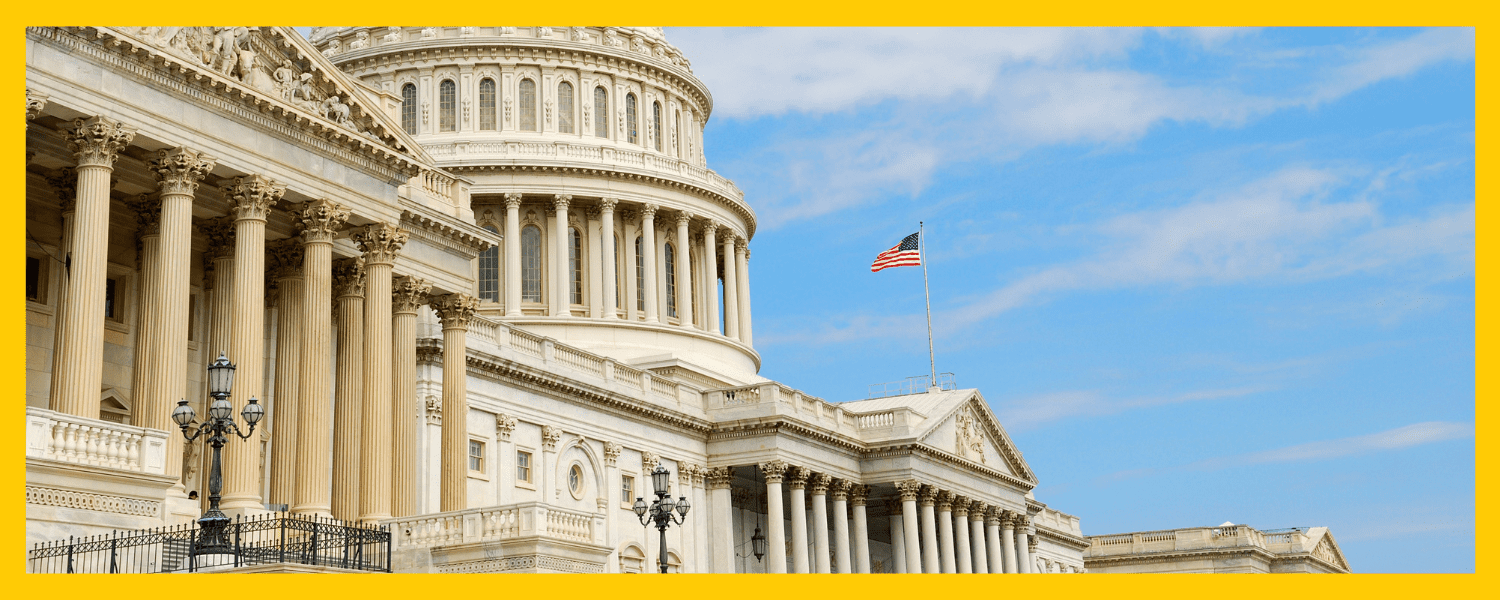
x=528, y=105
x=34, y=279
x=627, y=489
x=487, y=104
x=448, y=105
x=565, y=107
x=531, y=263
x=671, y=267
x=489, y=271
x=523, y=466
x=575, y=481
x=630, y=126
x=575, y=266
x=409, y=108
x=640, y=276
x=601, y=112
x=656, y=124
x=111, y=308
x=476, y=456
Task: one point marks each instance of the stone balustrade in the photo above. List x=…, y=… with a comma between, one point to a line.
x=1172, y=540
x=81, y=441
x=496, y=523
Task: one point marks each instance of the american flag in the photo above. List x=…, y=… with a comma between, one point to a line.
x=904, y=254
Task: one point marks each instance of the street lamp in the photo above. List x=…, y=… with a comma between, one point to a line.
x=215, y=538
x=660, y=511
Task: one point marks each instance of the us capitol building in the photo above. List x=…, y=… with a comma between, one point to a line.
x=484, y=283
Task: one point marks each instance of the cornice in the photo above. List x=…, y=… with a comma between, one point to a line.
x=1071, y=541
x=1168, y=555
x=963, y=463
x=466, y=239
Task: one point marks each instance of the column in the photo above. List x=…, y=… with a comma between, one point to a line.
x=348, y=385
x=841, y=560
x=684, y=270
x=700, y=521
x=721, y=521
x=976, y=536
x=731, y=289
x=1024, y=543
x=820, y=483
x=931, y=562
x=562, y=272
x=859, y=495
x=995, y=549
x=455, y=311
x=742, y=253
x=252, y=197
x=147, y=209
x=318, y=220
x=648, y=259
x=505, y=452
x=65, y=185
x=551, y=435
x=408, y=294
x=1008, y=540
x=911, y=533
x=218, y=277
x=285, y=267
x=96, y=142
x=512, y=255
x=632, y=309
x=775, y=522
x=595, y=264
x=960, y=524
x=944, y=519
x=607, y=245
x=898, y=535
x=710, y=279
x=379, y=242
x=797, y=482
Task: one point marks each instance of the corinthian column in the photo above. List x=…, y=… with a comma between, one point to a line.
x=944, y=519
x=797, y=480
x=775, y=522
x=859, y=496
x=898, y=535
x=562, y=271
x=1008, y=540
x=348, y=385
x=147, y=209
x=253, y=196
x=607, y=238
x=721, y=522
x=710, y=279
x=976, y=536
x=286, y=271
x=380, y=243
x=840, y=491
x=455, y=311
x=820, y=483
x=218, y=284
x=512, y=255
x=1023, y=543
x=410, y=293
x=912, y=532
x=731, y=289
x=65, y=184
x=931, y=562
x=684, y=272
x=993, y=547
x=742, y=254
x=961, y=551
x=96, y=142
x=648, y=260
x=318, y=219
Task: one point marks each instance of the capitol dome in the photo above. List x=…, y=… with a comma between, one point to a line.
x=562, y=134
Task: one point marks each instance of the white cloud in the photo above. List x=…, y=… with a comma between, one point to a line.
x=1416, y=434
x=1396, y=59
x=1036, y=410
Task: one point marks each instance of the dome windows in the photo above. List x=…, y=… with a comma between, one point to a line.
x=448, y=105
x=528, y=105
x=486, y=104
x=630, y=122
x=601, y=112
x=409, y=108
x=565, y=107
x=531, y=264
x=656, y=124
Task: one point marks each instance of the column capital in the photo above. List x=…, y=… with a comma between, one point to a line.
x=433, y=410
x=512, y=200
x=840, y=489
x=380, y=242
x=909, y=489
x=710, y=226
x=684, y=218
x=720, y=478
x=978, y=510
x=349, y=277
x=253, y=196
x=893, y=505
x=1032, y=540
x=608, y=204
x=859, y=494
x=97, y=141
x=551, y=435
x=285, y=261
x=928, y=496
x=408, y=294
x=960, y=506
x=179, y=170
x=147, y=209
x=796, y=477
x=649, y=460
x=220, y=234
x=317, y=220
x=774, y=470
x=742, y=244
x=35, y=102
x=455, y=311
x=648, y=211
x=1007, y=519
x=64, y=183
x=820, y=483
x=612, y=452
x=945, y=501
x=504, y=426
x=561, y=201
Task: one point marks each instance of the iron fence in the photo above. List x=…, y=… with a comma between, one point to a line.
x=261, y=540
x=911, y=385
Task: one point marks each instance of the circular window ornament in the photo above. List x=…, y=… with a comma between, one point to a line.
x=575, y=481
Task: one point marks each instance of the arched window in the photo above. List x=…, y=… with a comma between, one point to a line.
x=601, y=112
x=528, y=105
x=575, y=266
x=448, y=105
x=409, y=108
x=489, y=271
x=671, y=266
x=640, y=276
x=565, y=107
x=531, y=264
x=630, y=126
x=487, y=104
x=656, y=124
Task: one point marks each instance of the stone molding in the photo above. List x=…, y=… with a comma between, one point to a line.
x=105, y=503
x=649, y=460
x=505, y=425
x=612, y=453
x=550, y=437
x=35, y=102
x=445, y=232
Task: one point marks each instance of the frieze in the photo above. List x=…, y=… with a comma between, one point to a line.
x=44, y=496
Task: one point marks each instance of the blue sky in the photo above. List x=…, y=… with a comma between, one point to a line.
x=1200, y=275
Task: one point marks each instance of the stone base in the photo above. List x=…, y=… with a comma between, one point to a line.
x=69, y=500
x=521, y=555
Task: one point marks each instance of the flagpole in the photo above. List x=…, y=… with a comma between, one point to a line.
x=922, y=253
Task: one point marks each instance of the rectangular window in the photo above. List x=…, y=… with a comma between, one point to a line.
x=627, y=489
x=476, y=456
x=487, y=105
x=33, y=279
x=523, y=466
x=110, y=307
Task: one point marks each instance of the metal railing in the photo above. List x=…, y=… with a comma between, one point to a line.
x=911, y=385
x=261, y=540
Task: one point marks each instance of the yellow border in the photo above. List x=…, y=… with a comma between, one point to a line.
x=778, y=12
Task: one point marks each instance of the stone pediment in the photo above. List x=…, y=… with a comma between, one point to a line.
x=969, y=431
x=1327, y=550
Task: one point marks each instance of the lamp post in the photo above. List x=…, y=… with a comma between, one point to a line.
x=214, y=523
x=660, y=511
